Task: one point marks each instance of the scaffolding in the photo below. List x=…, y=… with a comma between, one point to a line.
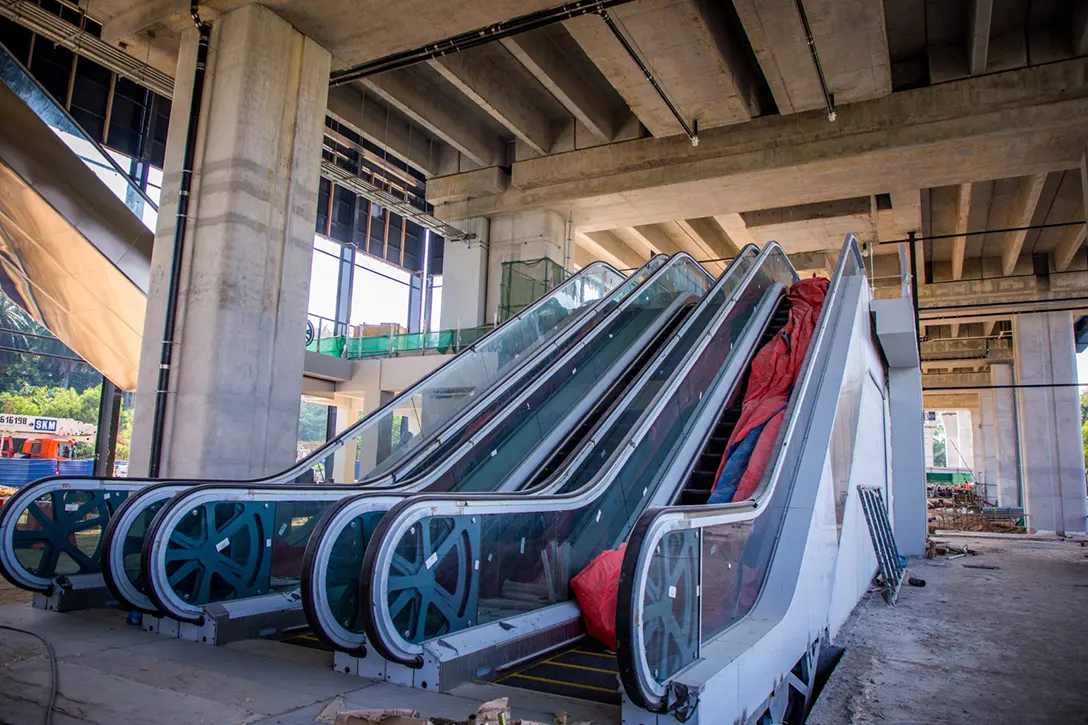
x=526, y=281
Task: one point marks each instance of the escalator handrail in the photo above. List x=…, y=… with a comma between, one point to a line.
x=170, y=515
x=13, y=571
x=655, y=523
x=378, y=559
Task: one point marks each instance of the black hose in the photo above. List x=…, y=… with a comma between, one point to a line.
x=167, y=353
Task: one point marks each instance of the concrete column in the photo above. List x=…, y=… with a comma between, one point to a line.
x=1007, y=448
x=908, y=473
x=965, y=438
x=236, y=381
x=978, y=449
x=1050, y=426
x=952, y=449
x=522, y=236
x=464, y=278
x=343, y=469
x=987, y=426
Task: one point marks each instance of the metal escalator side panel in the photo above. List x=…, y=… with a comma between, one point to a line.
x=206, y=503
x=734, y=542
x=440, y=535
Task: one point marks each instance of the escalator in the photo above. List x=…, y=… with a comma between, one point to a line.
x=334, y=555
x=51, y=532
x=75, y=232
x=488, y=450
x=501, y=566
x=724, y=608
x=584, y=669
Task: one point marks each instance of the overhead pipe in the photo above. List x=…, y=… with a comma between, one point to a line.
x=691, y=131
x=829, y=101
x=166, y=355
x=471, y=39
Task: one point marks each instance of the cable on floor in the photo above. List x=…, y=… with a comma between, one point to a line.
x=52, y=666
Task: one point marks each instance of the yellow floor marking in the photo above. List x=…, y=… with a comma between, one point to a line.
x=581, y=667
x=563, y=684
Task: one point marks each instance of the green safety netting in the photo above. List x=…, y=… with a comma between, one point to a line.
x=354, y=348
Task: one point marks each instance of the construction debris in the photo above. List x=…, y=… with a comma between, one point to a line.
x=492, y=712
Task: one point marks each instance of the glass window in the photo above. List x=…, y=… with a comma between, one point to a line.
x=343, y=214
x=436, y=304
x=393, y=243
x=52, y=66
x=16, y=38
x=324, y=279
x=324, y=190
x=126, y=117
x=436, y=249
x=159, y=130
x=413, y=245
x=379, y=293
x=90, y=95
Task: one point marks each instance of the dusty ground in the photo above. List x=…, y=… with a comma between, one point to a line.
x=1006, y=645
x=13, y=595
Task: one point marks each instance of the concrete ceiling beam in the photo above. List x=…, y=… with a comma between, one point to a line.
x=701, y=67
x=614, y=247
x=734, y=227
x=988, y=327
x=657, y=239
x=856, y=206
x=478, y=77
x=433, y=114
x=371, y=120
x=978, y=35
x=561, y=78
x=1022, y=122
x=711, y=238
x=1023, y=209
x=140, y=17
x=950, y=208
x=582, y=257
x=954, y=380
x=777, y=36
x=1073, y=239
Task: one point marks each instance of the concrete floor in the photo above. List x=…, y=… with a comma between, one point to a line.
x=111, y=673
x=1006, y=645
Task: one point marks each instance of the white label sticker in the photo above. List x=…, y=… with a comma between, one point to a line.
x=283, y=527
x=476, y=565
x=522, y=545
x=222, y=544
x=70, y=507
x=598, y=516
x=431, y=560
x=267, y=543
x=105, y=495
x=672, y=592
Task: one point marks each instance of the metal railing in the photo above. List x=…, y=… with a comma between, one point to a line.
x=338, y=339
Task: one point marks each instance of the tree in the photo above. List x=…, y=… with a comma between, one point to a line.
x=940, y=448
x=1084, y=423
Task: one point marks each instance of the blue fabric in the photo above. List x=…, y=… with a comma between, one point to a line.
x=736, y=463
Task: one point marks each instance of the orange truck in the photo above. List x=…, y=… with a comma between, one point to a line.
x=38, y=436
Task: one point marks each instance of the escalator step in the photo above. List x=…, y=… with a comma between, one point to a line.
x=694, y=497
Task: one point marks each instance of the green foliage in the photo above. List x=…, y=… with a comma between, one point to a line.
x=940, y=448
x=311, y=422
x=54, y=402
x=1084, y=423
